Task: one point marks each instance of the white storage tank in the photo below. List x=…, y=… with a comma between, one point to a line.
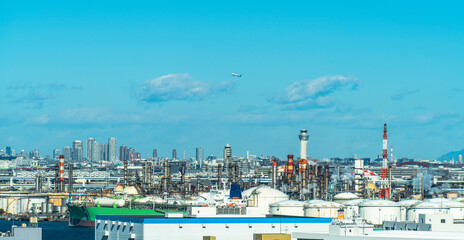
x=263, y=196
x=405, y=205
x=343, y=197
x=110, y=202
x=313, y=201
x=424, y=208
x=352, y=208
x=287, y=208
x=323, y=209
x=159, y=200
x=456, y=208
x=377, y=211
x=12, y=206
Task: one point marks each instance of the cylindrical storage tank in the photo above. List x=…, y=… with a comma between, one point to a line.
x=456, y=209
x=323, y=209
x=313, y=201
x=424, y=208
x=343, y=197
x=352, y=208
x=143, y=200
x=263, y=196
x=377, y=211
x=405, y=205
x=4, y=204
x=110, y=202
x=12, y=207
x=287, y=208
x=159, y=200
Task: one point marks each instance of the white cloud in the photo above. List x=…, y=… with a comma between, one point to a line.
x=401, y=94
x=180, y=86
x=314, y=93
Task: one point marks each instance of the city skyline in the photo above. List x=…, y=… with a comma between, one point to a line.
x=156, y=76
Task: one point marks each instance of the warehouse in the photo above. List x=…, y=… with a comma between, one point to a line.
x=173, y=228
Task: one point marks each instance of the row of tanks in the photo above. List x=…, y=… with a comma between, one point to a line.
x=373, y=211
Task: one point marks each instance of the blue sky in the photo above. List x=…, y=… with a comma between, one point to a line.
x=157, y=74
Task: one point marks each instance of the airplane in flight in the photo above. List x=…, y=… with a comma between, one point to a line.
x=236, y=75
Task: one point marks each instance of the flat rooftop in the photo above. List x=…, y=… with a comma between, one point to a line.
x=161, y=219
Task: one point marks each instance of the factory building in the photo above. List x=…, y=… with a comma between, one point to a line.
x=176, y=227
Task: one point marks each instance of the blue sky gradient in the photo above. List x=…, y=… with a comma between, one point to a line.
x=157, y=74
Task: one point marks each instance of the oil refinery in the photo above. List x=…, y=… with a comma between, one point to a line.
x=296, y=197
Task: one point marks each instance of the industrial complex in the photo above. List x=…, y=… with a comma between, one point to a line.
x=238, y=197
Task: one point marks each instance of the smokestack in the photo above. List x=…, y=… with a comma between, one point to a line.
x=302, y=172
x=274, y=173
x=303, y=143
x=125, y=174
x=61, y=173
x=391, y=154
x=289, y=167
x=385, y=186
x=182, y=173
x=70, y=177
x=219, y=176
x=57, y=178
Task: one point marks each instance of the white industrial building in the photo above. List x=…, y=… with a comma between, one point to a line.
x=180, y=228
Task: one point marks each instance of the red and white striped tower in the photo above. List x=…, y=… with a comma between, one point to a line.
x=391, y=154
x=385, y=188
x=61, y=173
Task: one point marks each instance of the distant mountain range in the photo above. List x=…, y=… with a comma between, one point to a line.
x=451, y=155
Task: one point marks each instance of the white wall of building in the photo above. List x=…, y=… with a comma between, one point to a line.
x=181, y=229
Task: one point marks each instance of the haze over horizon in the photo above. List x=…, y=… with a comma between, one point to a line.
x=158, y=75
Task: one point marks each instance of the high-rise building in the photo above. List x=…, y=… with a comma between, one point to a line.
x=174, y=154
x=112, y=146
x=56, y=153
x=90, y=149
x=67, y=153
x=199, y=155
x=123, y=153
x=155, y=153
x=104, y=152
x=8, y=150
x=77, y=151
x=96, y=152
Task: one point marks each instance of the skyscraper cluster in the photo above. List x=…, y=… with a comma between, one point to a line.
x=127, y=153
x=97, y=152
